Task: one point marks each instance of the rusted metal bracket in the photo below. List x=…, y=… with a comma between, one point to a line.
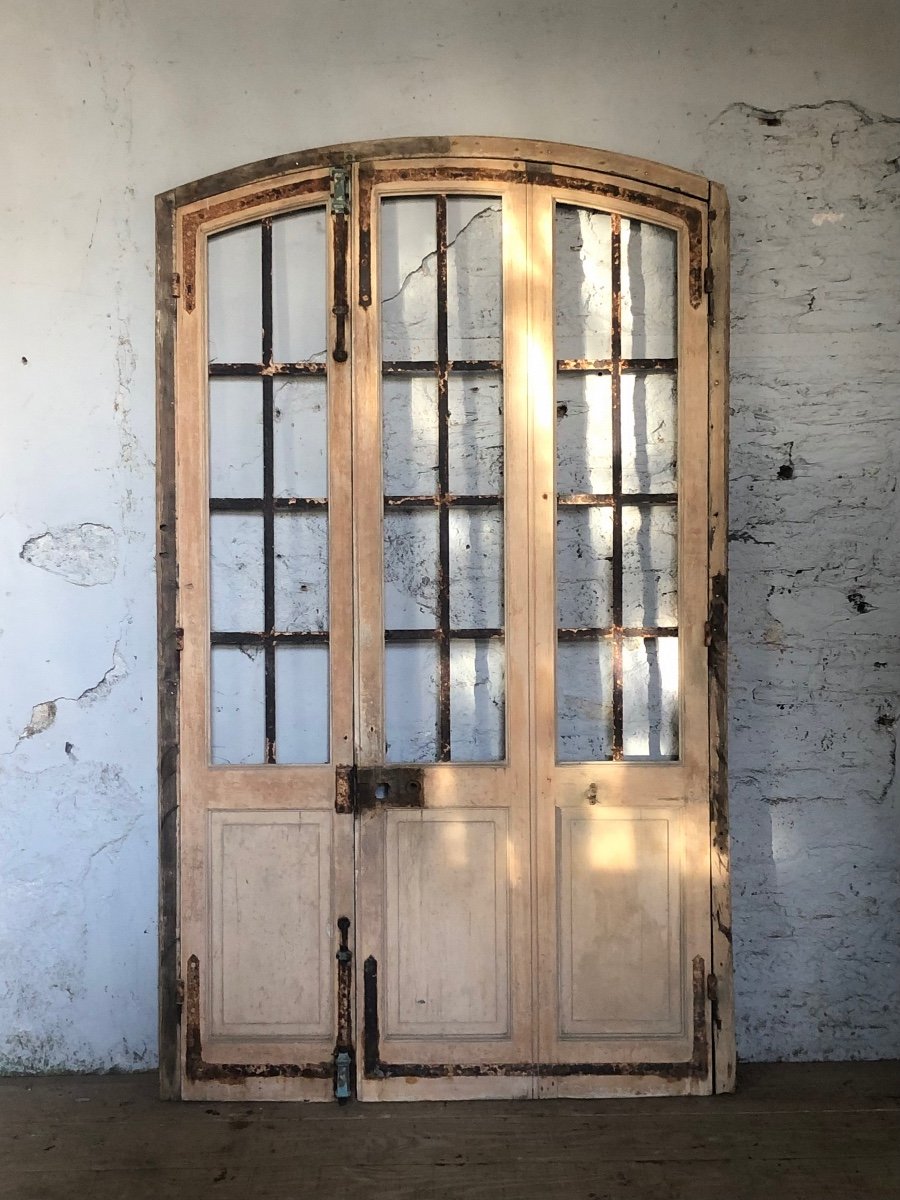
x=344, y=1073
x=709, y=283
x=340, y=208
x=363, y=789
x=198, y=1070
x=696, y=1067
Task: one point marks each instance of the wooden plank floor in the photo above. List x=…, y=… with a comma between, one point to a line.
x=792, y=1132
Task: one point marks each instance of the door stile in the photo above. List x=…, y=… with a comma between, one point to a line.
x=482, y=800
x=541, y=386
x=290, y=808
x=573, y=796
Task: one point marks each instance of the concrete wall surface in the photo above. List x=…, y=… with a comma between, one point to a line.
x=794, y=107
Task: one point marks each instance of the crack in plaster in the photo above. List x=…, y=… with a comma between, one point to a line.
x=44, y=714
x=774, y=116
x=433, y=254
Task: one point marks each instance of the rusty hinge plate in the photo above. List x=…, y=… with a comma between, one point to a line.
x=176, y=284
x=340, y=191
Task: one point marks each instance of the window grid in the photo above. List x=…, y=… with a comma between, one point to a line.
x=443, y=500
x=616, y=367
x=267, y=370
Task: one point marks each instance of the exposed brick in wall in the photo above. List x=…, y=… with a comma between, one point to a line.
x=815, y=558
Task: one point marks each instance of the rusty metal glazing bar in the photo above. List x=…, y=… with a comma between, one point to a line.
x=218, y=370
x=607, y=500
x=297, y=637
x=427, y=367
x=443, y=382
x=442, y=636
x=616, y=388
x=584, y=633
x=268, y=491
x=257, y=504
x=447, y=500
x=626, y=366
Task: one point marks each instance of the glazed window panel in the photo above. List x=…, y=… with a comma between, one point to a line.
x=616, y=336
x=441, y=278
x=268, y=491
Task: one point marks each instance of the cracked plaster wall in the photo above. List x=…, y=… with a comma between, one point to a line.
x=105, y=102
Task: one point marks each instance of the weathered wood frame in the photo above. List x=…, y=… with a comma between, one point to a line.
x=542, y=156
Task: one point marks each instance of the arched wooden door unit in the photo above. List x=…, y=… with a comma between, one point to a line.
x=442, y=616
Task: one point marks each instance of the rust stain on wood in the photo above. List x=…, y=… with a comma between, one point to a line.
x=696, y=1067
x=198, y=1070
x=224, y=208
x=718, y=665
x=691, y=216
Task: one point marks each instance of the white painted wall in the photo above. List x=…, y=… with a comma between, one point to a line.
x=104, y=104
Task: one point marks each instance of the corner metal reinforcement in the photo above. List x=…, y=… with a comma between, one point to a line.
x=696, y=1067
x=198, y=1070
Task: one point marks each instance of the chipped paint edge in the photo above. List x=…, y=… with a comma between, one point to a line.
x=723, y=1042
x=168, y=653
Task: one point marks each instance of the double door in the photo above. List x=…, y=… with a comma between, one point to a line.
x=442, y=486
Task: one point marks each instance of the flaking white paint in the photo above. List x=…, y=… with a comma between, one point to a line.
x=105, y=103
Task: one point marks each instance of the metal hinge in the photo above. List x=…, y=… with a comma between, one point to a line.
x=176, y=284
x=179, y=639
x=340, y=191
x=709, y=282
x=179, y=998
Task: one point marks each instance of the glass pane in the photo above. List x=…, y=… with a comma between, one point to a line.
x=410, y=436
x=584, y=685
x=411, y=673
x=584, y=567
x=300, y=451
x=583, y=284
x=649, y=433
x=650, y=697
x=476, y=568
x=477, y=700
x=649, y=565
x=235, y=295
x=236, y=572
x=301, y=571
x=583, y=434
x=299, y=286
x=410, y=570
x=649, y=257
x=408, y=279
x=235, y=438
x=237, y=704
x=474, y=278
x=475, y=434
x=301, y=704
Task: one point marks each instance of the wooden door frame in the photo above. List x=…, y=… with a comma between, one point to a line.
x=622, y=176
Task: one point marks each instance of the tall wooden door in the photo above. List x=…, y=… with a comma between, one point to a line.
x=444, y=485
